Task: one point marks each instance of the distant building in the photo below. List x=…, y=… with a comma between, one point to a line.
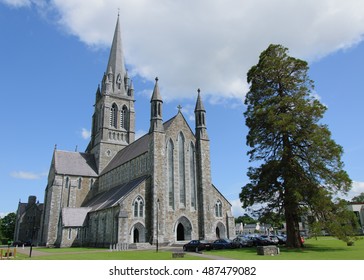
x=28, y=221
x=122, y=190
x=358, y=209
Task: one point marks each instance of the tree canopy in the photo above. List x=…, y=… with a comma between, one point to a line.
x=7, y=226
x=358, y=198
x=297, y=164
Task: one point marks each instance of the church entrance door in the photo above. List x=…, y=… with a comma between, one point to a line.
x=180, y=232
x=217, y=233
x=136, y=235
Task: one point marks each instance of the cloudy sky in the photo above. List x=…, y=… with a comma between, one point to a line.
x=53, y=55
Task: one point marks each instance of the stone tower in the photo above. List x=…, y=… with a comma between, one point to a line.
x=113, y=121
x=157, y=154
x=203, y=168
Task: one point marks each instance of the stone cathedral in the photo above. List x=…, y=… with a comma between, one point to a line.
x=127, y=191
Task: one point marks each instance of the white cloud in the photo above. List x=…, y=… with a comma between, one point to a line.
x=357, y=189
x=85, y=133
x=2, y=215
x=16, y=3
x=211, y=44
x=27, y=175
x=236, y=208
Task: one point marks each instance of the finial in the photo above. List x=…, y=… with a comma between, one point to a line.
x=118, y=12
x=198, y=91
x=179, y=108
x=156, y=79
x=55, y=147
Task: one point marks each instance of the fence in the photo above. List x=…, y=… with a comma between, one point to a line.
x=8, y=253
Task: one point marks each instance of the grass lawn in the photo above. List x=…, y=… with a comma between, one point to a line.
x=324, y=248
x=101, y=254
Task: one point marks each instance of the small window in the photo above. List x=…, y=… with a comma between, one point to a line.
x=69, y=234
x=79, y=183
x=138, y=207
x=218, y=209
x=91, y=183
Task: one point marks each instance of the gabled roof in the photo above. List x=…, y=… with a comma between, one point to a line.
x=74, y=163
x=74, y=217
x=133, y=150
x=113, y=196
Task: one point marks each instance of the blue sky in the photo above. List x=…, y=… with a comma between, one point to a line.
x=53, y=55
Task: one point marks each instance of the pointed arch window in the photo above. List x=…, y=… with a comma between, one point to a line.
x=124, y=117
x=218, y=209
x=138, y=206
x=192, y=175
x=170, y=166
x=181, y=168
x=113, y=115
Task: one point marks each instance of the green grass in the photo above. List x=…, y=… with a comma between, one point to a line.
x=323, y=248
x=102, y=254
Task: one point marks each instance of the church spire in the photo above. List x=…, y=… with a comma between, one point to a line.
x=200, y=117
x=115, y=70
x=156, y=109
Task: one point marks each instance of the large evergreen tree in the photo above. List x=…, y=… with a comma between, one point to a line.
x=298, y=164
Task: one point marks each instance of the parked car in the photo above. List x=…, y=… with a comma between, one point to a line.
x=224, y=243
x=197, y=245
x=272, y=238
x=243, y=241
x=260, y=241
x=282, y=239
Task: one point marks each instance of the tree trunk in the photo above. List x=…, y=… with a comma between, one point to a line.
x=293, y=232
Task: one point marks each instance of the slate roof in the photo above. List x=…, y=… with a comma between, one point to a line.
x=75, y=163
x=112, y=197
x=74, y=217
x=135, y=149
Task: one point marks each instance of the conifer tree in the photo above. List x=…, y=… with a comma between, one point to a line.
x=297, y=163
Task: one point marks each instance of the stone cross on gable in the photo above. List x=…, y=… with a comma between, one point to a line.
x=179, y=108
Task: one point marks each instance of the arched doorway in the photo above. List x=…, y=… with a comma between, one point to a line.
x=220, y=230
x=136, y=235
x=183, y=229
x=180, y=232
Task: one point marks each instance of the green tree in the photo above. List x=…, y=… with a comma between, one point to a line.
x=245, y=219
x=294, y=154
x=7, y=226
x=359, y=198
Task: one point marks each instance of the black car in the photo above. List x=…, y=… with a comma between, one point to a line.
x=243, y=241
x=272, y=238
x=260, y=241
x=197, y=245
x=224, y=244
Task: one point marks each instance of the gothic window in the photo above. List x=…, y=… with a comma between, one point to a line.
x=138, y=207
x=113, y=115
x=123, y=117
x=79, y=183
x=218, y=209
x=181, y=167
x=91, y=183
x=170, y=166
x=193, y=175
x=69, y=233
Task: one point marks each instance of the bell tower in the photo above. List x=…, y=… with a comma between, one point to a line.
x=113, y=121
